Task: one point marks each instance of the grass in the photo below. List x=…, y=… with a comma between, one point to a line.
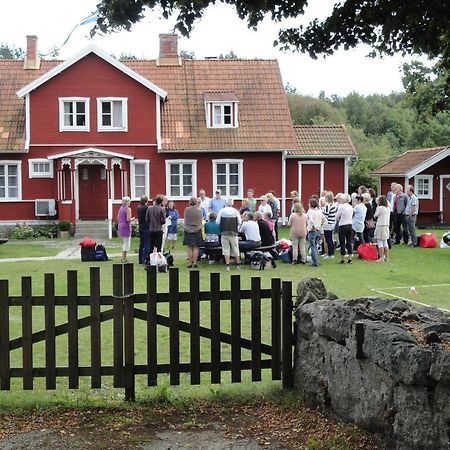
x=33, y=248
x=408, y=267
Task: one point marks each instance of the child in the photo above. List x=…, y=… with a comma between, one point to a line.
x=172, y=230
x=382, y=214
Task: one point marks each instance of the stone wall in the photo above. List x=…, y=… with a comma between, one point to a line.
x=383, y=364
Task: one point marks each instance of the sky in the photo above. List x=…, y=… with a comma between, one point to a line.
x=218, y=32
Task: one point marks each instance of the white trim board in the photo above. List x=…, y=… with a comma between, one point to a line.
x=322, y=173
x=90, y=149
x=81, y=54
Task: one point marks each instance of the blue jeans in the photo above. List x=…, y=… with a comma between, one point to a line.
x=144, y=244
x=313, y=239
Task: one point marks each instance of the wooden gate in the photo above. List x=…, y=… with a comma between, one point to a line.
x=125, y=308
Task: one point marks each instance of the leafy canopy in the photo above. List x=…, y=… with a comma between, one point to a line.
x=388, y=26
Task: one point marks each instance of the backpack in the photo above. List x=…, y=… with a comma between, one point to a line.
x=100, y=253
x=169, y=258
x=367, y=252
x=428, y=240
x=260, y=260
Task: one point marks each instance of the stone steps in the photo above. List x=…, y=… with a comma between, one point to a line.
x=97, y=229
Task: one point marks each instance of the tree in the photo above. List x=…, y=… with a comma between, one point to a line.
x=229, y=55
x=388, y=26
x=11, y=52
x=185, y=54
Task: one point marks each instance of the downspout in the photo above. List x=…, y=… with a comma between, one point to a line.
x=346, y=163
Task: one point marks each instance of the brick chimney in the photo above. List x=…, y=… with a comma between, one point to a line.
x=168, y=50
x=32, y=60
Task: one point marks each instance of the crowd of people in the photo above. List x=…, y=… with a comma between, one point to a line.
x=218, y=228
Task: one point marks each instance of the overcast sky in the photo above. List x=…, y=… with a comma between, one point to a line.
x=218, y=32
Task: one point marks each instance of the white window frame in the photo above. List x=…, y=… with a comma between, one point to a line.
x=428, y=196
x=209, y=109
x=240, y=163
x=102, y=128
x=19, y=181
x=170, y=162
x=63, y=127
x=33, y=174
x=133, y=164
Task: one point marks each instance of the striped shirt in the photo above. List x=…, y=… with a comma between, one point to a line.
x=329, y=211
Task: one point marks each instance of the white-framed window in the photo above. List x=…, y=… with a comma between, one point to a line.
x=40, y=168
x=112, y=114
x=74, y=114
x=228, y=177
x=424, y=186
x=140, y=178
x=181, y=178
x=222, y=114
x=10, y=180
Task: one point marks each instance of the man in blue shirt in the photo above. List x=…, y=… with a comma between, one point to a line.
x=217, y=203
x=411, y=211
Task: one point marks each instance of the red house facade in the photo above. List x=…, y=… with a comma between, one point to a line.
x=76, y=136
x=428, y=170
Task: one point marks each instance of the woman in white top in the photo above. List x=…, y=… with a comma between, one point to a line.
x=382, y=214
x=329, y=211
x=359, y=216
x=344, y=216
x=264, y=207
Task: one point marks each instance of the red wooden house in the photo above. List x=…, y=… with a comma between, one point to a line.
x=78, y=135
x=428, y=170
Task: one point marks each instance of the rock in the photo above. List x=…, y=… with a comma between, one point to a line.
x=437, y=328
x=310, y=290
x=331, y=296
x=432, y=337
x=440, y=365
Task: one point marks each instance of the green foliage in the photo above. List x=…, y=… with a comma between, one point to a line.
x=64, y=225
x=21, y=232
x=229, y=55
x=185, y=54
x=310, y=111
x=332, y=443
x=11, y=52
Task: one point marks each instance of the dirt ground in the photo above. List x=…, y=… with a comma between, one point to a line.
x=251, y=426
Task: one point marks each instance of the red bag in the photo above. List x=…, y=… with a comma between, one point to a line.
x=367, y=252
x=428, y=240
x=87, y=242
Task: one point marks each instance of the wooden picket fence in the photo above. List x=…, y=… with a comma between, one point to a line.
x=127, y=307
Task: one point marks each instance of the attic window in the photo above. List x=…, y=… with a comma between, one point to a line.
x=221, y=110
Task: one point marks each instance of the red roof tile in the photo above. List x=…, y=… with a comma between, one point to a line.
x=408, y=161
x=264, y=117
x=323, y=140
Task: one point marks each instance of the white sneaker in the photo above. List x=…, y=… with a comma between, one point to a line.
x=228, y=268
x=238, y=267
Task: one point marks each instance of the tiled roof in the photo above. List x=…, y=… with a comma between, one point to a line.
x=264, y=117
x=323, y=140
x=12, y=108
x=408, y=161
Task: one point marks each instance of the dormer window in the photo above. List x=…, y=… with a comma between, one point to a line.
x=221, y=110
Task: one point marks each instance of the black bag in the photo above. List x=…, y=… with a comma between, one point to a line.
x=169, y=258
x=87, y=253
x=100, y=253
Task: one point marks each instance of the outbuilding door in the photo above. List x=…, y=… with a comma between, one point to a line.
x=92, y=192
x=310, y=179
x=446, y=199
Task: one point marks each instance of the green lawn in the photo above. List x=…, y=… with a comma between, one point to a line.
x=33, y=248
x=426, y=269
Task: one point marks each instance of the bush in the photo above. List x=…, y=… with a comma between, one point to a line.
x=46, y=231
x=22, y=232
x=64, y=225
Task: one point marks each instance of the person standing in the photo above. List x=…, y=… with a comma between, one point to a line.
x=229, y=221
x=359, y=216
x=193, y=224
x=344, y=217
x=156, y=218
x=172, y=227
x=411, y=211
x=251, y=200
x=369, y=224
x=382, y=214
x=316, y=221
x=329, y=211
x=124, y=227
x=204, y=199
x=400, y=202
x=298, y=224
x=144, y=236
x=274, y=203
x=216, y=203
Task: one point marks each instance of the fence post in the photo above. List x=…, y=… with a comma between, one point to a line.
x=276, y=327
x=118, y=325
x=27, y=334
x=72, y=320
x=235, y=329
x=174, y=326
x=194, y=287
x=5, y=361
x=96, y=346
x=286, y=323
x=128, y=288
x=50, y=336
x=152, y=322
x=216, y=375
